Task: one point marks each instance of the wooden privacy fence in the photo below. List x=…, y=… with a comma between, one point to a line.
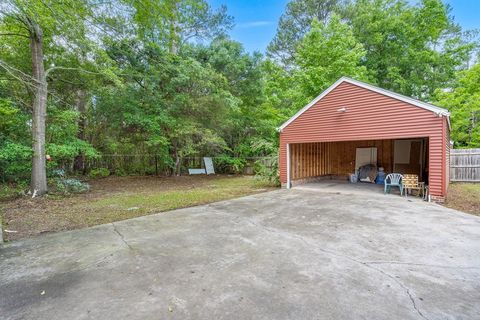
x=465, y=165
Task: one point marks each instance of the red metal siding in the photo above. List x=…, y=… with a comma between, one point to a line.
x=369, y=116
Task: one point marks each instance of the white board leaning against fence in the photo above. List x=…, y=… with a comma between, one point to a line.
x=196, y=171
x=209, y=169
x=465, y=165
x=209, y=165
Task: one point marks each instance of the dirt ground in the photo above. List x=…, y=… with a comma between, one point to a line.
x=464, y=197
x=118, y=198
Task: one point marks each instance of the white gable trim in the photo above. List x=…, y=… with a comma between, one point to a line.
x=437, y=110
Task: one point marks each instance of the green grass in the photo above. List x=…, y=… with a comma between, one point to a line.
x=161, y=201
x=124, y=206
x=116, y=199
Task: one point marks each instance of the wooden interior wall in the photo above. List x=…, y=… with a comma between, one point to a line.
x=414, y=164
x=335, y=158
x=310, y=160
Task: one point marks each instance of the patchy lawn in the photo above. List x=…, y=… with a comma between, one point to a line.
x=118, y=198
x=464, y=197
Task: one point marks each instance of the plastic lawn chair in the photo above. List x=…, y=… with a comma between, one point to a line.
x=393, y=180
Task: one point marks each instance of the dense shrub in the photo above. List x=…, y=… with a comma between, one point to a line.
x=99, y=173
x=266, y=170
x=64, y=185
x=15, y=162
x=71, y=185
x=120, y=172
x=228, y=164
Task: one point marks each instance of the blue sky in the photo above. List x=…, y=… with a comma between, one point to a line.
x=256, y=20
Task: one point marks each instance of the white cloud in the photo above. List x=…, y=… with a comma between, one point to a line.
x=254, y=24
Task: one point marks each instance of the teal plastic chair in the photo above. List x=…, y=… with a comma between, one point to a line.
x=393, y=180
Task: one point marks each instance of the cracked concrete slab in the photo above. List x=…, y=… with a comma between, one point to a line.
x=287, y=254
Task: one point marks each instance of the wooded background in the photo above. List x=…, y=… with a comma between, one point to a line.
x=83, y=80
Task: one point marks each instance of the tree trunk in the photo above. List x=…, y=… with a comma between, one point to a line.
x=176, y=168
x=173, y=45
x=177, y=164
x=39, y=169
x=79, y=162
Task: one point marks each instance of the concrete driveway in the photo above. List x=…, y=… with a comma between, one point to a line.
x=287, y=254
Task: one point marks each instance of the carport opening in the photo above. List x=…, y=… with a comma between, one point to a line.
x=320, y=161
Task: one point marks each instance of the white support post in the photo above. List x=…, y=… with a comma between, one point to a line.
x=288, y=167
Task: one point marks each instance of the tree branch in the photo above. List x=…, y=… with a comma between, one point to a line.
x=34, y=82
x=15, y=34
x=69, y=68
x=47, y=72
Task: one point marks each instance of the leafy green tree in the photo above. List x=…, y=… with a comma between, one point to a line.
x=410, y=49
x=165, y=101
x=46, y=25
x=15, y=156
x=172, y=23
x=280, y=88
x=326, y=53
x=137, y=96
x=245, y=82
x=189, y=140
x=295, y=23
x=463, y=101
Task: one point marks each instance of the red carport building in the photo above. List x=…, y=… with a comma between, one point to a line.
x=404, y=135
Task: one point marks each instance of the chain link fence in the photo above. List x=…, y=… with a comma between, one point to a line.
x=139, y=164
x=151, y=164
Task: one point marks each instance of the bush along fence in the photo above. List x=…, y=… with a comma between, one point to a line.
x=465, y=165
x=150, y=164
x=137, y=164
